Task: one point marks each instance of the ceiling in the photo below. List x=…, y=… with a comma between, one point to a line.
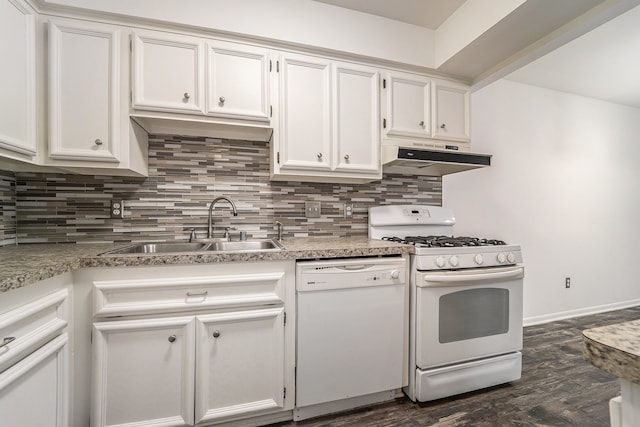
x=603, y=63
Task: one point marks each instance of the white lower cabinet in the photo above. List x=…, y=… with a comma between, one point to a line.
x=34, y=357
x=239, y=363
x=198, y=346
x=143, y=372
x=33, y=392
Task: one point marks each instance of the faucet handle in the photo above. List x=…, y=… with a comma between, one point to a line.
x=192, y=235
x=226, y=232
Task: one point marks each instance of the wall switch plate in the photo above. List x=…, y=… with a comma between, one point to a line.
x=312, y=209
x=348, y=210
x=117, y=209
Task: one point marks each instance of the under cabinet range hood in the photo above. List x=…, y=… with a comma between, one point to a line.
x=422, y=161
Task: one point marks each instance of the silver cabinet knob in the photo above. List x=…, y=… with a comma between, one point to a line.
x=421, y=124
x=186, y=95
x=98, y=141
x=442, y=126
x=172, y=338
x=221, y=99
x=319, y=155
x=6, y=341
x=216, y=333
x=346, y=157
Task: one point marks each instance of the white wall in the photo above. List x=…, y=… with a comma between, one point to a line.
x=565, y=184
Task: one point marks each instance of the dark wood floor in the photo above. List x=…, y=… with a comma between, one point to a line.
x=558, y=388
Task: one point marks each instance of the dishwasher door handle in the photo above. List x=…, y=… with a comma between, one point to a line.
x=355, y=267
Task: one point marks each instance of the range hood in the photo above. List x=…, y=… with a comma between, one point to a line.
x=419, y=161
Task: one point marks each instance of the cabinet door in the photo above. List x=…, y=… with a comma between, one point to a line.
x=451, y=112
x=237, y=81
x=17, y=86
x=34, y=391
x=305, y=116
x=168, y=72
x=84, y=91
x=143, y=372
x=240, y=363
x=408, y=106
x=356, y=118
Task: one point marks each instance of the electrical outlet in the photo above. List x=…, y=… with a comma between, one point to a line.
x=348, y=210
x=567, y=282
x=117, y=209
x=312, y=209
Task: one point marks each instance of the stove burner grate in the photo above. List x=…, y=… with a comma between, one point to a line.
x=444, y=241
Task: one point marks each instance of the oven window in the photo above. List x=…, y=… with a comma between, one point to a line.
x=473, y=313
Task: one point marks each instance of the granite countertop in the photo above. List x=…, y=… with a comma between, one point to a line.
x=615, y=349
x=22, y=265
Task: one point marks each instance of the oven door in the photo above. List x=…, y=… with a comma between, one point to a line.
x=467, y=314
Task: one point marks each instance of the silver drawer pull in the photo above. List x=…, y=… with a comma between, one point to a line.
x=98, y=141
x=216, y=333
x=201, y=294
x=172, y=338
x=7, y=340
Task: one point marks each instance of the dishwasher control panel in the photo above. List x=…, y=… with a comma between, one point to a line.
x=350, y=273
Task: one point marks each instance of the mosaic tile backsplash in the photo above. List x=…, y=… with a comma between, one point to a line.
x=8, y=220
x=185, y=174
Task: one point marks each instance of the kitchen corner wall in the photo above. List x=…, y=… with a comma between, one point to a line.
x=185, y=174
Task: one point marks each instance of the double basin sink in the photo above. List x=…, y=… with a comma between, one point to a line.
x=215, y=246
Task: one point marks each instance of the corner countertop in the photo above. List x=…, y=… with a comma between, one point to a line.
x=22, y=265
x=615, y=349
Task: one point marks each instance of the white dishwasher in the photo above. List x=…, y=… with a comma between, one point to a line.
x=352, y=333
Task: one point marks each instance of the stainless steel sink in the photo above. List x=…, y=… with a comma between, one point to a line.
x=157, y=248
x=216, y=246
x=247, y=245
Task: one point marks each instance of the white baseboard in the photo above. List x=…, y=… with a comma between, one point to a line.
x=537, y=320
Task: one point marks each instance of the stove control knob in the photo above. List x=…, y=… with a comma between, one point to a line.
x=453, y=261
x=440, y=261
x=502, y=258
x=511, y=257
x=478, y=259
x=395, y=274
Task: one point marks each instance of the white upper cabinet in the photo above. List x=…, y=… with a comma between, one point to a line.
x=408, y=106
x=89, y=127
x=84, y=91
x=356, y=120
x=237, y=80
x=305, y=114
x=168, y=72
x=425, y=112
x=451, y=112
x=328, y=122
x=182, y=74
x=18, y=82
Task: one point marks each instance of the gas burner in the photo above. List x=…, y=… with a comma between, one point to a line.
x=444, y=241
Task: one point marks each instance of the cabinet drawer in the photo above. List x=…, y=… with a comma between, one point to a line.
x=28, y=327
x=128, y=297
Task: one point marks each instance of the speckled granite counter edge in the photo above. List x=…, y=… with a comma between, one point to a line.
x=23, y=265
x=614, y=349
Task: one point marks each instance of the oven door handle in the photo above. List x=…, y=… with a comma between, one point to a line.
x=465, y=277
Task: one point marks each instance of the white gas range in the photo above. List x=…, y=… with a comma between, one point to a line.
x=465, y=302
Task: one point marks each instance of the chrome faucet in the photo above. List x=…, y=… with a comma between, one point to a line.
x=213, y=203
x=279, y=225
